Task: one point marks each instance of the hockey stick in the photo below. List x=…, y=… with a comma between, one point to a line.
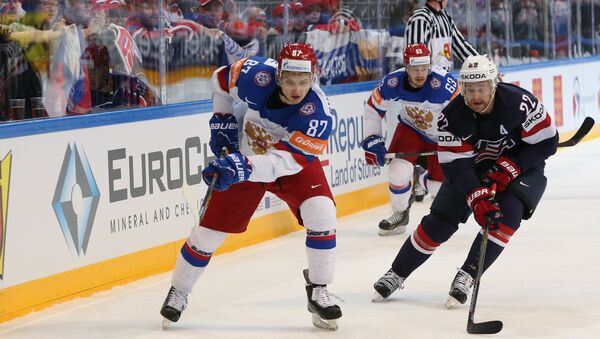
x=487, y=327
x=583, y=130
x=191, y=200
x=401, y=155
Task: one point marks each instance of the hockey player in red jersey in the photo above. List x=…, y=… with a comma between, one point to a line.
x=272, y=146
x=418, y=93
x=492, y=134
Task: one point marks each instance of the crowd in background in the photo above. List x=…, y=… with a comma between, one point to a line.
x=70, y=57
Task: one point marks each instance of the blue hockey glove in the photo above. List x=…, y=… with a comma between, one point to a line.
x=223, y=133
x=375, y=150
x=229, y=170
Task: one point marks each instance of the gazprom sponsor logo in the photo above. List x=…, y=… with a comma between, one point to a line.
x=296, y=65
x=76, y=199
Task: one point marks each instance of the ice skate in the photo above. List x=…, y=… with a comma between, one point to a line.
x=324, y=312
x=419, y=191
x=396, y=224
x=386, y=285
x=459, y=290
x=174, y=304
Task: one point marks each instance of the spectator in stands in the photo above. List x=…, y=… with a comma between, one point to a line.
x=18, y=80
x=10, y=11
x=256, y=18
x=102, y=89
x=296, y=23
x=295, y=26
x=36, y=30
x=210, y=13
x=432, y=25
x=313, y=12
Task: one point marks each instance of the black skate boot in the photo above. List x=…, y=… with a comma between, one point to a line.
x=174, y=304
x=459, y=290
x=396, y=224
x=324, y=312
x=386, y=285
x=419, y=191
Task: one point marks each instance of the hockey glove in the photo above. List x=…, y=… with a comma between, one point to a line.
x=223, y=133
x=229, y=170
x=375, y=150
x=502, y=173
x=485, y=208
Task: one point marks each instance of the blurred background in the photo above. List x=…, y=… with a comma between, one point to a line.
x=70, y=57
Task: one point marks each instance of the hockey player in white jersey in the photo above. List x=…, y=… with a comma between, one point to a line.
x=281, y=134
x=418, y=92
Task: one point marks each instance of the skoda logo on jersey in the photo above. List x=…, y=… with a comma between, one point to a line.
x=76, y=199
x=392, y=82
x=263, y=79
x=435, y=83
x=307, y=109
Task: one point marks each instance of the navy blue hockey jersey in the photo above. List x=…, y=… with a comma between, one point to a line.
x=518, y=127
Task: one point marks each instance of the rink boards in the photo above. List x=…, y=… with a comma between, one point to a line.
x=91, y=202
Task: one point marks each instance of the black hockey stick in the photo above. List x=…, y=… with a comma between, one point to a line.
x=401, y=155
x=583, y=130
x=486, y=327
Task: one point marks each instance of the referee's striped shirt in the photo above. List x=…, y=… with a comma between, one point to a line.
x=427, y=24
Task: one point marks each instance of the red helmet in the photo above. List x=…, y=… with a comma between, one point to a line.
x=417, y=54
x=297, y=57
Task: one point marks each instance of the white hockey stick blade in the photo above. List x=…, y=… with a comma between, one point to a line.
x=377, y=297
x=166, y=323
x=451, y=303
x=189, y=197
x=330, y=325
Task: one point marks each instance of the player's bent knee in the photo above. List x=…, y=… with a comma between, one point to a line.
x=318, y=214
x=400, y=172
x=206, y=239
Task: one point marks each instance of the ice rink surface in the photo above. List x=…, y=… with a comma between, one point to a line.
x=546, y=284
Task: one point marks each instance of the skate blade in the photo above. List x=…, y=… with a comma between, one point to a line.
x=377, y=297
x=330, y=325
x=398, y=230
x=166, y=323
x=451, y=303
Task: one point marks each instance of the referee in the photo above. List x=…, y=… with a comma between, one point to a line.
x=432, y=26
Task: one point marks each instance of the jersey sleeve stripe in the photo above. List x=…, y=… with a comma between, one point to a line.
x=235, y=71
x=540, y=126
x=380, y=112
x=222, y=77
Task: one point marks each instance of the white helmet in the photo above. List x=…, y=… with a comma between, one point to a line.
x=478, y=68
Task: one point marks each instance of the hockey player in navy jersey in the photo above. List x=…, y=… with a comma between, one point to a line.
x=418, y=93
x=493, y=134
x=272, y=146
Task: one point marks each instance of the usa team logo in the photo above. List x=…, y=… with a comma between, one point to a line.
x=307, y=109
x=392, y=82
x=263, y=78
x=435, y=83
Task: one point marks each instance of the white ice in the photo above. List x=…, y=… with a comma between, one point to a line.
x=546, y=284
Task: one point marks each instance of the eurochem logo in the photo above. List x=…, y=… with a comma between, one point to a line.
x=76, y=199
x=4, y=189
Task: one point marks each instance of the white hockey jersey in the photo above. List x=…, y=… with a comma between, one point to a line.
x=417, y=108
x=277, y=141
